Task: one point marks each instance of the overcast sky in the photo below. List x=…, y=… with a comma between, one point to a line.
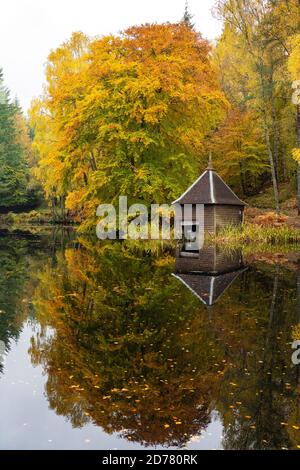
x=29, y=29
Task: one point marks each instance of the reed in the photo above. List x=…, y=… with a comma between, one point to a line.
x=250, y=234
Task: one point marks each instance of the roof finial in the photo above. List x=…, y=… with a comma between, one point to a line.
x=210, y=165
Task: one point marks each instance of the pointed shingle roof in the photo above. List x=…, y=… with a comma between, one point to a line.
x=209, y=188
x=208, y=288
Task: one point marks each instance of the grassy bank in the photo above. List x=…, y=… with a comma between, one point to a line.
x=261, y=230
x=34, y=217
x=39, y=217
x=252, y=234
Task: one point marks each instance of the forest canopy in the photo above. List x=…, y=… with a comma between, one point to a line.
x=126, y=115
x=137, y=114
x=15, y=149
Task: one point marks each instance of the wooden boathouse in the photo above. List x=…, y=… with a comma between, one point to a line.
x=221, y=205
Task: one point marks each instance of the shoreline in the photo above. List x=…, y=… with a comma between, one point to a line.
x=262, y=229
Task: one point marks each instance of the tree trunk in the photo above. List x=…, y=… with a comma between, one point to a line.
x=53, y=208
x=284, y=167
x=275, y=137
x=62, y=207
x=265, y=103
x=273, y=173
x=93, y=161
x=298, y=167
x=242, y=180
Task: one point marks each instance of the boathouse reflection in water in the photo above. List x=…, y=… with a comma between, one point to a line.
x=208, y=272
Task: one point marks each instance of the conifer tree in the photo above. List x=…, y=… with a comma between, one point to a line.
x=13, y=168
x=188, y=17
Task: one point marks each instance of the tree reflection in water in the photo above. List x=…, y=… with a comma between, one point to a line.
x=135, y=352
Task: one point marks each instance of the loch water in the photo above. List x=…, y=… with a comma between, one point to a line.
x=116, y=346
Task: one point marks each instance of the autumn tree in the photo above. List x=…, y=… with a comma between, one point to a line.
x=240, y=139
x=255, y=45
x=125, y=115
x=294, y=69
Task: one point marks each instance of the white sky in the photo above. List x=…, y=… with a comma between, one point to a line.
x=29, y=29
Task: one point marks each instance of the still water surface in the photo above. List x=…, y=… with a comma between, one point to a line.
x=117, y=347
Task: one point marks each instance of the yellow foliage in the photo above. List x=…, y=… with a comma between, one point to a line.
x=125, y=114
x=296, y=332
x=294, y=58
x=296, y=155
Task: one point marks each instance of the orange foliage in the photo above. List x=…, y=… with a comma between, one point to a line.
x=270, y=219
